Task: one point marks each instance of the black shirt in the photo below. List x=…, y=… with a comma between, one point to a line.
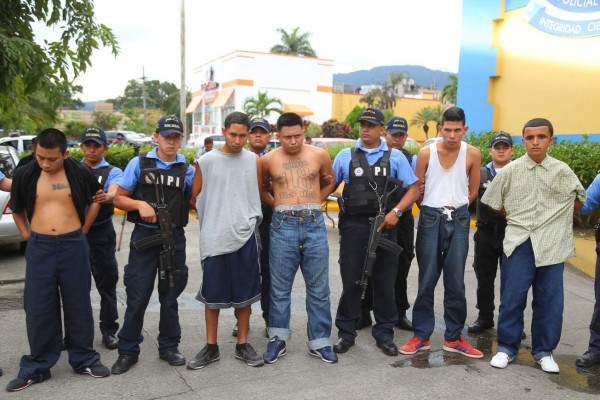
x=81, y=179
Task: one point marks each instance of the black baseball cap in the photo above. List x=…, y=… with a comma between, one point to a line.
x=94, y=133
x=372, y=115
x=501, y=137
x=397, y=125
x=169, y=124
x=260, y=122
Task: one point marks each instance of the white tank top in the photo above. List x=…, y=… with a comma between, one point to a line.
x=446, y=187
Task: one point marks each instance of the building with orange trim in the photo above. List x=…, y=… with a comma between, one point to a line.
x=303, y=84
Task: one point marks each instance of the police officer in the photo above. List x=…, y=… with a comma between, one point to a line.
x=489, y=235
x=137, y=195
x=365, y=170
x=396, y=135
x=101, y=237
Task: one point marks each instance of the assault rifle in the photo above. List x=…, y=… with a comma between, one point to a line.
x=376, y=240
x=167, y=264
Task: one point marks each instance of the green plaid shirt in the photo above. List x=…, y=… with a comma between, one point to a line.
x=538, y=200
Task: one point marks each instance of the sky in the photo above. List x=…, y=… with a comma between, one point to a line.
x=355, y=35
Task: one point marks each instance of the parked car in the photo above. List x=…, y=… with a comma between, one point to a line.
x=325, y=143
x=411, y=143
x=131, y=137
x=431, y=140
x=20, y=143
x=9, y=234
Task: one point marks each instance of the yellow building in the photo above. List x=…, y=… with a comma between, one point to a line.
x=343, y=103
x=524, y=59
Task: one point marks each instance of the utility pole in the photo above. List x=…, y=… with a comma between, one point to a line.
x=183, y=90
x=143, y=78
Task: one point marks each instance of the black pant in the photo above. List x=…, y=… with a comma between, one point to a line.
x=264, y=230
x=102, y=241
x=488, y=253
x=354, y=236
x=405, y=239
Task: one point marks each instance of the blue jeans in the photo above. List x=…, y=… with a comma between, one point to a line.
x=140, y=275
x=300, y=241
x=442, y=245
x=518, y=274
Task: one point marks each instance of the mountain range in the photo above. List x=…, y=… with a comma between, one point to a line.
x=423, y=76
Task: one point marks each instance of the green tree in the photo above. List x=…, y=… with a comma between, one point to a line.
x=294, y=43
x=262, y=105
x=449, y=92
x=425, y=115
x=384, y=96
x=106, y=121
x=41, y=69
x=158, y=95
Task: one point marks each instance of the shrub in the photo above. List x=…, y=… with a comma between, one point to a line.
x=119, y=156
x=583, y=157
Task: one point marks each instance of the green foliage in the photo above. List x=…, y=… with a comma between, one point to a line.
x=334, y=150
x=450, y=91
x=40, y=71
x=413, y=149
x=262, y=105
x=120, y=155
x=294, y=43
x=583, y=157
x=106, y=121
x=159, y=95
x=313, y=130
x=352, y=119
x=384, y=96
x=189, y=154
x=75, y=128
x=425, y=115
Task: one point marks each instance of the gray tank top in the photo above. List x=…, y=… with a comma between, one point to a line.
x=229, y=203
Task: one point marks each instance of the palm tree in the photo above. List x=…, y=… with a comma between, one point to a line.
x=422, y=117
x=262, y=105
x=450, y=91
x=294, y=43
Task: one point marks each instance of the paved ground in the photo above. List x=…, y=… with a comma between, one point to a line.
x=363, y=372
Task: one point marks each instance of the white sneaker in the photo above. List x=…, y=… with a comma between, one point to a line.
x=548, y=364
x=501, y=360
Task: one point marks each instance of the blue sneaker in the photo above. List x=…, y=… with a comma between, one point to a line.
x=275, y=349
x=325, y=353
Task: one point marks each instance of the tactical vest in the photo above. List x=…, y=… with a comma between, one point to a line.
x=106, y=210
x=171, y=189
x=485, y=215
x=359, y=198
x=409, y=156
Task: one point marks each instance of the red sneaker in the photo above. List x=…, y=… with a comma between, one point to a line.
x=463, y=347
x=415, y=344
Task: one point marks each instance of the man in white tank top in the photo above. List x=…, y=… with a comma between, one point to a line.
x=449, y=170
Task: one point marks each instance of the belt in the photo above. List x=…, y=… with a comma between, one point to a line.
x=297, y=213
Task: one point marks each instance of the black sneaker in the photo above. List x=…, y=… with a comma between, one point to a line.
x=96, y=370
x=204, y=358
x=22, y=383
x=247, y=354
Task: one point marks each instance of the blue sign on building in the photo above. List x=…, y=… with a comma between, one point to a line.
x=572, y=18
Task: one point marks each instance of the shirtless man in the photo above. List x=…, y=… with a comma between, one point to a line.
x=298, y=237
x=450, y=171
x=52, y=203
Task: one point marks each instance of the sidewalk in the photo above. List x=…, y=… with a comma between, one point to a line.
x=363, y=372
